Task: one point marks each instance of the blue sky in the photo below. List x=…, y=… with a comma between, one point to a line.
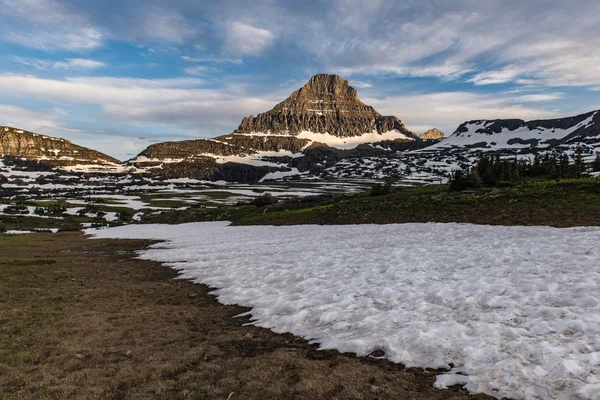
x=120, y=75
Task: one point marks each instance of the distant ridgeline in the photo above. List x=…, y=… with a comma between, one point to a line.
x=323, y=130
x=32, y=149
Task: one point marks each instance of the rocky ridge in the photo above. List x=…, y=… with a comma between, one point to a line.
x=48, y=150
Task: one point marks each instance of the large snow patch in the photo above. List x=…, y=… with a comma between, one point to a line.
x=516, y=310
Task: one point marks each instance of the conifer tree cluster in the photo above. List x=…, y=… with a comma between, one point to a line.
x=492, y=170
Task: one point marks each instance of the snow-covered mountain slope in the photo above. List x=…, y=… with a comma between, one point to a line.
x=512, y=134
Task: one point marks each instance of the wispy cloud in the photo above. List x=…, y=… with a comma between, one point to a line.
x=50, y=25
x=70, y=63
x=197, y=70
x=246, y=39
x=361, y=84
x=141, y=101
x=212, y=59
x=155, y=23
x=23, y=118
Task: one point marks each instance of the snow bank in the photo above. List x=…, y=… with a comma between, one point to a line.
x=516, y=310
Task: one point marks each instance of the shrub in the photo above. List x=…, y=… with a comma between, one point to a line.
x=16, y=209
x=125, y=215
x=382, y=190
x=70, y=228
x=264, y=200
x=55, y=210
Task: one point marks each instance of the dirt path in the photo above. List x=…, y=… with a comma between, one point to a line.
x=82, y=319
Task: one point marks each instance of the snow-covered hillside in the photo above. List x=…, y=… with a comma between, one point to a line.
x=495, y=135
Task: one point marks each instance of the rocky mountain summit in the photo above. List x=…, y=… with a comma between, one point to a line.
x=326, y=104
x=432, y=134
x=48, y=150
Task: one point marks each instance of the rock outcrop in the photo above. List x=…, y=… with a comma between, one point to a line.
x=326, y=104
x=48, y=150
x=432, y=134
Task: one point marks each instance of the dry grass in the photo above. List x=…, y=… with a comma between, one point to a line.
x=82, y=319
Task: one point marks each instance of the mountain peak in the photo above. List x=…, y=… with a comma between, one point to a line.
x=432, y=134
x=324, y=86
x=325, y=104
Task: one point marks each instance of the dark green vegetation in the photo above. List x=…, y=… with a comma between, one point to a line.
x=83, y=319
x=491, y=170
x=560, y=203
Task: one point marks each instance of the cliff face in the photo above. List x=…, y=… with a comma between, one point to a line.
x=50, y=150
x=326, y=104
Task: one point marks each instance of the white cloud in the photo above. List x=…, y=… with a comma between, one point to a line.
x=535, y=98
x=246, y=39
x=197, y=70
x=61, y=38
x=548, y=43
x=177, y=102
x=23, y=118
x=78, y=63
x=70, y=63
x=212, y=59
x=360, y=84
x=495, y=77
x=50, y=25
x=159, y=24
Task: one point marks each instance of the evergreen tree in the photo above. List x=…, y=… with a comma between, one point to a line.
x=596, y=163
x=579, y=164
x=564, y=165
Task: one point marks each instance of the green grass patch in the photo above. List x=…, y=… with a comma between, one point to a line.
x=538, y=202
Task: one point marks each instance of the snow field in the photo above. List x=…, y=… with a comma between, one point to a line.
x=516, y=310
